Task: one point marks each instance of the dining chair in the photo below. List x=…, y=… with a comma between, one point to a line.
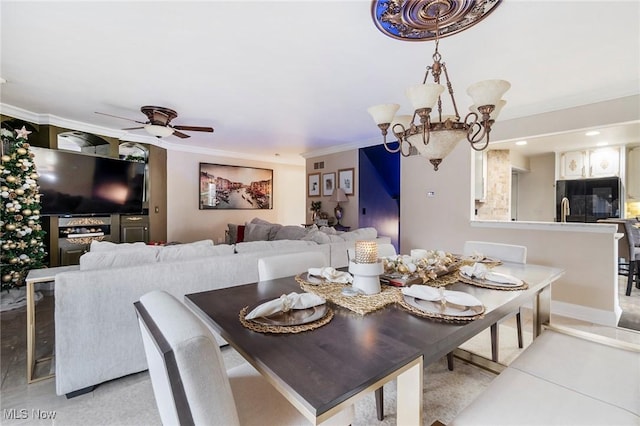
x=633, y=240
x=189, y=380
x=286, y=265
x=506, y=253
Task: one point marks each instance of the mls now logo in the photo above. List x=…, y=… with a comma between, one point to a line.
x=15, y=414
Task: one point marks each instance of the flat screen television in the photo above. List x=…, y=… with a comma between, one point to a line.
x=79, y=184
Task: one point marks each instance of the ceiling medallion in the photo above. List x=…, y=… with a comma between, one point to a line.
x=415, y=20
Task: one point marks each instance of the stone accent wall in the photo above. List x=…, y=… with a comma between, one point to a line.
x=497, y=205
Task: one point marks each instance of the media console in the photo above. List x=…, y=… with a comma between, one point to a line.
x=71, y=236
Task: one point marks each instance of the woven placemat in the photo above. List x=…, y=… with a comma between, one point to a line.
x=281, y=329
x=439, y=317
x=443, y=280
x=485, y=284
x=361, y=304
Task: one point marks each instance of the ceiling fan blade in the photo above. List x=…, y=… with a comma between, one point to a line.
x=122, y=118
x=133, y=128
x=180, y=134
x=194, y=128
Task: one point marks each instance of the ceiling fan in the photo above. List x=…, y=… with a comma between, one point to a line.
x=158, y=124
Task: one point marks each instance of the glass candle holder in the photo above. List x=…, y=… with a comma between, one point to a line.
x=366, y=252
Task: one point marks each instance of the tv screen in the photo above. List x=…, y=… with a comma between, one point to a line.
x=78, y=184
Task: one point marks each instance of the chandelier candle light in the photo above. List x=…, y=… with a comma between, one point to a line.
x=435, y=135
x=366, y=267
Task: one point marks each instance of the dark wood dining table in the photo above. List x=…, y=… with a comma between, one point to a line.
x=324, y=370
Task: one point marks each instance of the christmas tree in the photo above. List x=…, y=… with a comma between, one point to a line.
x=21, y=233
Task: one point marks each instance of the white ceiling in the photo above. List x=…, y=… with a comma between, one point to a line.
x=291, y=77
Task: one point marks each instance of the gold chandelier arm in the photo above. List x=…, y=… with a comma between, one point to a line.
x=478, y=134
x=384, y=128
x=402, y=140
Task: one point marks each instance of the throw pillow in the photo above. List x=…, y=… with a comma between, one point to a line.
x=290, y=232
x=235, y=233
x=256, y=232
x=317, y=237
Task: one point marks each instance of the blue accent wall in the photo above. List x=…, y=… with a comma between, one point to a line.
x=379, y=186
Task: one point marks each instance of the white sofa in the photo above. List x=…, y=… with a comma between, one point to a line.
x=97, y=337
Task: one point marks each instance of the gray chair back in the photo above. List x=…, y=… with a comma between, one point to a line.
x=189, y=381
x=286, y=265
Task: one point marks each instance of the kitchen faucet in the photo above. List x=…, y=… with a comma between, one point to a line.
x=564, y=209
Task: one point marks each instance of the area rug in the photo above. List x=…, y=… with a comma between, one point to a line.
x=16, y=298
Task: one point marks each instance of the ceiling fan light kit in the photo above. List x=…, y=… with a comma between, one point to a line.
x=435, y=135
x=158, y=131
x=158, y=124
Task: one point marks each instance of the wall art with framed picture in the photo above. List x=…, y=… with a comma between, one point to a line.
x=345, y=181
x=224, y=187
x=313, y=185
x=328, y=184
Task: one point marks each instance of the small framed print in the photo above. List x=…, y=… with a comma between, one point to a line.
x=313, y=185
x=345, y=181
x=328, y=184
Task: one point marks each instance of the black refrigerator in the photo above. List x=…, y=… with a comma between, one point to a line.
x=588, y=200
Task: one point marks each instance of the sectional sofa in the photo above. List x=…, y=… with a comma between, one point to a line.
x=97, y=335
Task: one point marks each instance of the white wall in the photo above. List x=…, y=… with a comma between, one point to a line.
x=186, y=223
x=536, y=190
x=589, y=289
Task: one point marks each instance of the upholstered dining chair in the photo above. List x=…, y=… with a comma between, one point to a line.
x=190, y=383
x=285, y=265
x=506, y=253
x=633, y=240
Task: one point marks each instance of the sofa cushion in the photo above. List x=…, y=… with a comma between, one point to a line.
x=118, y=258
x=192, y=251
x=270, y=246
x=360, y=234
x=290, y=232
x=317, y=237
x=109, y=246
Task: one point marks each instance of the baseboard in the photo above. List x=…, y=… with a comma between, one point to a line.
x=584, y=313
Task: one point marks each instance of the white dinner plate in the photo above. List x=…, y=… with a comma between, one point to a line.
x=489, y=282
x=449, y=309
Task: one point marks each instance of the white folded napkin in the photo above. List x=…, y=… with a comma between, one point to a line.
x=285, y=303
x=332, y=275
x=432, y=294
x=479, y=270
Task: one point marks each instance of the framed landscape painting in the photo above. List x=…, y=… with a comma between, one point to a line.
x=224, y=187
x=328, y=184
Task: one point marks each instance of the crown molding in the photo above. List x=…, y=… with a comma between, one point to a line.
x=54, y=120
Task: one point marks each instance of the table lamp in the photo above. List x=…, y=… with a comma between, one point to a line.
x=340, y=197
x=366, y=267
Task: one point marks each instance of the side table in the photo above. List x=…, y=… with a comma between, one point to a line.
x=38, y=276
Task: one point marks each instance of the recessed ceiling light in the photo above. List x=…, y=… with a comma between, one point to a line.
x=521, y=143
x=2, y=80
x=602, y=144
x=592, y=133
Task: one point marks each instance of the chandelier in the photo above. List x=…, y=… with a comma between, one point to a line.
x=433, y=134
